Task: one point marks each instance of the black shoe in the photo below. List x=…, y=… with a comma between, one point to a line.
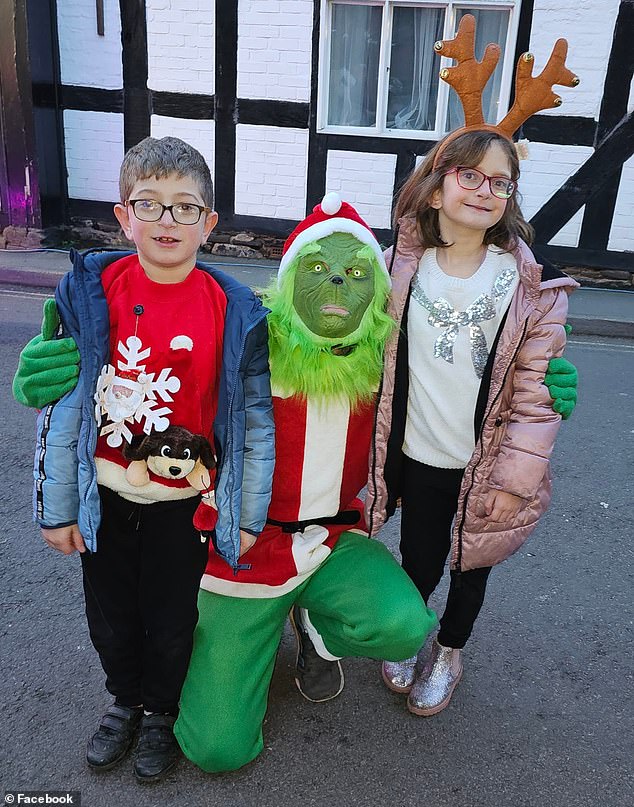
x=157, y=751
x=112, y=741
x=317, y=679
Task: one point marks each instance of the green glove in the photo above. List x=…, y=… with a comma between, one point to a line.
x=561, y=380
x=48, y=367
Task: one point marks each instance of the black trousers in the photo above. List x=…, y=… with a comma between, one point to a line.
x=141, y=589
x=429, y=502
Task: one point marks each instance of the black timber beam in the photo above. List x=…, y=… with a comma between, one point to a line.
x=599, y=212
x=599, y=170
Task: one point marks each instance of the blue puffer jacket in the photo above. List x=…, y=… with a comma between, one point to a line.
x=65, y=474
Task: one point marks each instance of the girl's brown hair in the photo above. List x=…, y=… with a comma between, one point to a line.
x=414, y=198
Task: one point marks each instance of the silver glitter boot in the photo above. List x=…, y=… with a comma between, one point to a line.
x=436, y=682
x=399, y=676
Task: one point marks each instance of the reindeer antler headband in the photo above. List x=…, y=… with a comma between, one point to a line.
x=469, y=78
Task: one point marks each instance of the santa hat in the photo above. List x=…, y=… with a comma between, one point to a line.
x=331, y=216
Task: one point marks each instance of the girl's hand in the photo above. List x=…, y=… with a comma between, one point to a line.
x=502, y=506
x=65, y=539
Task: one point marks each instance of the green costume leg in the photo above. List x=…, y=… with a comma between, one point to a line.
x=362, y=603
x=225, y=693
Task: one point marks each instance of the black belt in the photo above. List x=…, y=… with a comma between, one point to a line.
x=348, y=517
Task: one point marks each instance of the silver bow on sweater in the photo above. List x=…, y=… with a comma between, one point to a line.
x=443, y=315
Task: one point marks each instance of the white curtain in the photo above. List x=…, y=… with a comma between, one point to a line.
x=491, y=26
x=414, y=68
x=354, y=64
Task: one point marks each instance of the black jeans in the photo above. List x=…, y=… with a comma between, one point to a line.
x=429, y=501
x=141, y=589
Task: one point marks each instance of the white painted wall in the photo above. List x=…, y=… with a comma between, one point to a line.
x=94, y=150
x=198, y=133
x=544, y=173
x=622, y=232
x=274, y=62
x=274, y=49
x=271, y=165
x=364, y=180
x=588, y=25
x=86, y=59
x=181, y=45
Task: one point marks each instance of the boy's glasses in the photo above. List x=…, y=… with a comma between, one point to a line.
x=182, y=212
x=471, y=179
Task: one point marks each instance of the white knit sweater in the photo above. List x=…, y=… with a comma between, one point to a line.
x=442, y=394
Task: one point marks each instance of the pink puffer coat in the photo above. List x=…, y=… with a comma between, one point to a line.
x=518, y=425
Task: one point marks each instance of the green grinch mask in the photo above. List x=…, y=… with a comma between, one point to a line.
x=326, y=338
x=334, y=284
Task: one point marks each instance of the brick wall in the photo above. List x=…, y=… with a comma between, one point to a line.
x=181, y=48
x=94, y=150
x=271, y=168
x=588, y=26
x=198, y=133
x=87, y=59
x=274, y=49
x=366, y=181
x=545, y=172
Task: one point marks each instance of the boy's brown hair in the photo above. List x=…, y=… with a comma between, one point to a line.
x=159, y=159
x=466, y=150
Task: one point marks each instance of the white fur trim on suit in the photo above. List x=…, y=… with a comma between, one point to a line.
x=326, y=228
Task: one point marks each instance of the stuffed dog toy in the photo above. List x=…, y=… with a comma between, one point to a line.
x=175, y=453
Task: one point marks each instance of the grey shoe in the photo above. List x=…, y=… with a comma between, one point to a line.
x=317, y=678
x=399, y=676
x=436, y=682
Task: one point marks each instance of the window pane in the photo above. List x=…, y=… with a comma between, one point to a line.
x=491, y=26
x=414, y=68
x=354, y=64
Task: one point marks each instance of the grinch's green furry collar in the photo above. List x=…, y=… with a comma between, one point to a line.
x=304, y=364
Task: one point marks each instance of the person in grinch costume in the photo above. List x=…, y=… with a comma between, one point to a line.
x=346, y=594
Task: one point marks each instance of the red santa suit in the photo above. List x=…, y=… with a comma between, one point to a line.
x=321, y=463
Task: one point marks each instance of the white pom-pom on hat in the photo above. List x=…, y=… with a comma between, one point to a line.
x=331, y=203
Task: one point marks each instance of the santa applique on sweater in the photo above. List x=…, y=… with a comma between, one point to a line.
x=165, y=358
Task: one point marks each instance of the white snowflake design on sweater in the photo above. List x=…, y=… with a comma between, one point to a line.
x=130, y=394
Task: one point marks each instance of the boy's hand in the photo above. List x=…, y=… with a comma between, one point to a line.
x=501, y=506
x=246, y=542
x=48, y=367
x=65, y=539
x=561, y=380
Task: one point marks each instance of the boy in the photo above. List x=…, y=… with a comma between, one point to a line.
x=163, y=344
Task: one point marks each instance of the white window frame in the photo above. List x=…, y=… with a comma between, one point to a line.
x=380, y=130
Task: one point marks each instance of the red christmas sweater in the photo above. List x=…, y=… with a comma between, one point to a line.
x=321, y=464
x=165, y=359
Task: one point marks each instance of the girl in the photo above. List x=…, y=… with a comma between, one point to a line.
x=465, y=426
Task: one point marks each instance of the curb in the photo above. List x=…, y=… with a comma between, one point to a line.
x=581, y=326
x=18, y=277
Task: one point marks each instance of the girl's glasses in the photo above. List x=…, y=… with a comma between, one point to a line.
x=182, y=213
x=471, y=179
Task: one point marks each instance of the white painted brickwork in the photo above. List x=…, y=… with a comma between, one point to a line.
x=622, y=233
x=87, y=59
x=544, y=173
x=271, y=171
x=588, y=25
x=198, y=133
x=366, y=181
x=94, y=150
x=274, y=49
x=181, y=48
